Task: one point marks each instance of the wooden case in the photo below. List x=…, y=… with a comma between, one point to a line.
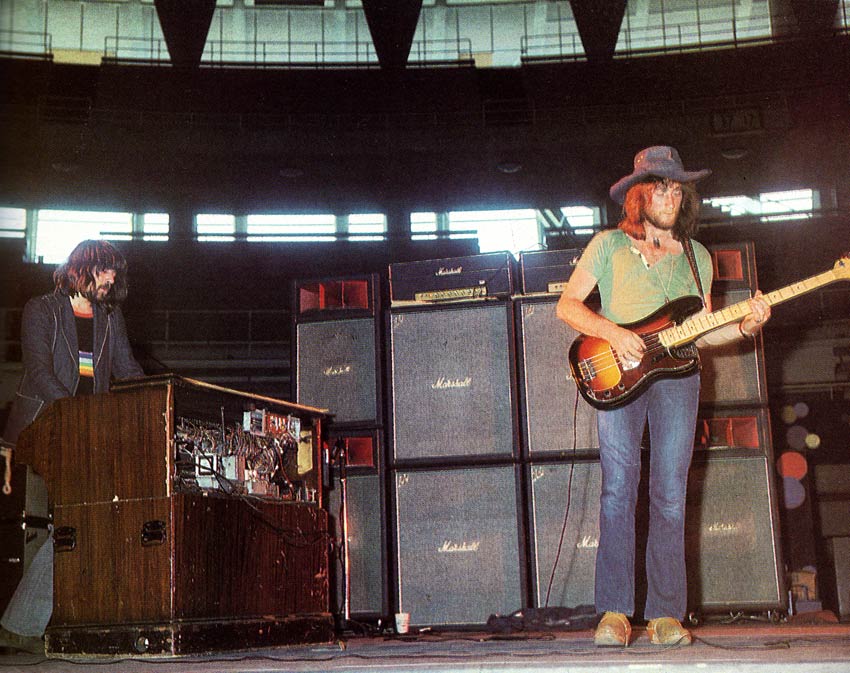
x=188, y=573
x=145, y=565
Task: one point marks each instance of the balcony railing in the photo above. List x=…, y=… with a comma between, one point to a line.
x=659, y=35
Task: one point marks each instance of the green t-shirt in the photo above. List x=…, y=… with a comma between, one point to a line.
x=614, y=262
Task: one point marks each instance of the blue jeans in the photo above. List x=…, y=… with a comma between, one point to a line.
x=670, y=406
x=30, y=607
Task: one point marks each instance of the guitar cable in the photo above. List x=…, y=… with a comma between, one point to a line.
x=569, y=502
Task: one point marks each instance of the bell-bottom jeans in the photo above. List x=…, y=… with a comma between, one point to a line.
x=670, y=406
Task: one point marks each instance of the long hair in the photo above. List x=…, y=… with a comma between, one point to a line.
x=638, y=198
x=77, y=274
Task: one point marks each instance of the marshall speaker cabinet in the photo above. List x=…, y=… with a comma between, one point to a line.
x=187, y=518
x=731, y=533
x=458, y=544
x=357, y=514
x=452, y=382
x=337, y=337
x=564, y=493
x=556, y=420
x=733, y=374
x=732, y=536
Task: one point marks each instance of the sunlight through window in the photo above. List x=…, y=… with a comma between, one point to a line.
x=283, y=227
x=13, y=222
x=211, y=227
x=794, y=204
x=58, y=231
x=497, y=230
x=367, y=227
x=155, y=226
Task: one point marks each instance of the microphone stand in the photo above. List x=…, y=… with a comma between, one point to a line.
x=342, y=460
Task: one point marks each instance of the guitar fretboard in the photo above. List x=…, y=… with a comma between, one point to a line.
x=693, y=328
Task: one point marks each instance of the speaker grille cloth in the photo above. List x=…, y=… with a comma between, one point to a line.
x=451, y=382
x=730, y=537
x=732, y=373
x=549, y=391
x=336, y=368
x=458, y=545
x=364, y=542
x=839, y=552
x=574, y=576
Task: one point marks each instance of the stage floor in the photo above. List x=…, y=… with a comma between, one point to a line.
x=740, y=648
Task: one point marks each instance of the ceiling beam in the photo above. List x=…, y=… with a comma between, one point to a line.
x=185, y=25
x=392, y=24
x=598, y=25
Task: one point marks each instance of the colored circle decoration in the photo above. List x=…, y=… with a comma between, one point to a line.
x=788, y=414
x=812, y=440
x=794, y=493
x=801, y=409
x=792, y=465
x=796, y=437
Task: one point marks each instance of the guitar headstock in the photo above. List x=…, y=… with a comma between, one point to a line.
x=842, y=267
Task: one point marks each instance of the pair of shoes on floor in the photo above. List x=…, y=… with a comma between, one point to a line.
x=14, y=642
x=667, y=631
x=613, y=630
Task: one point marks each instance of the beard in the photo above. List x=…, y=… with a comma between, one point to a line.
x=99, y=294
x=667, y=224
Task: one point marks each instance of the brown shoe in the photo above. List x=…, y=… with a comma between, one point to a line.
x=613, y=630
x=668, y=631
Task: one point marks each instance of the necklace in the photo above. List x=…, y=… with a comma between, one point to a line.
x=665, y=286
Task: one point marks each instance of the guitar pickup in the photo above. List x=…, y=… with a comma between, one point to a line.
x=587, y=370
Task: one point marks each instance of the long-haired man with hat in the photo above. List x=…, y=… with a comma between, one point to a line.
x=639, y=267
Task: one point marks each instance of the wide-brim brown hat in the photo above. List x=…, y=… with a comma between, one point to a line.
x=657, y=161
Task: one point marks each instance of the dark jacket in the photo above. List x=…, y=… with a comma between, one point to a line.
x=51, y=357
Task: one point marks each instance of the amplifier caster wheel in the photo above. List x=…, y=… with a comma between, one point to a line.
x=694, y=618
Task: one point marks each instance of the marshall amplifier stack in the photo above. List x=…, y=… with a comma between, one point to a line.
x=560, y=442
x=490, y=451
x=732, y=496
x=339, y=333
x=458, y=534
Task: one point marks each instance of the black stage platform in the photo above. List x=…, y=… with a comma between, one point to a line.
x=794, y=647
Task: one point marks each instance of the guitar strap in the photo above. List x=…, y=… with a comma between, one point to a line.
x=691, y=350
x=689, y=253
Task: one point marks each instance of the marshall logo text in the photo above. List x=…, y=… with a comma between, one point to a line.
x=449, y=547
x=444, y=383
x=337, y=370
x=588, y=542
x=723, y=528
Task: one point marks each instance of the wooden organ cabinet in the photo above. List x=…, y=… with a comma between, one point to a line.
x=187, y=518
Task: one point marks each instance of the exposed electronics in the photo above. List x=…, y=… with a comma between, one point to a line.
x=266, y=456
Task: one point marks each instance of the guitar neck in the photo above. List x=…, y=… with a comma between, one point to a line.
x=694, y=328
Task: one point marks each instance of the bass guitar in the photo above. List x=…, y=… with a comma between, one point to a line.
x=606, y=381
